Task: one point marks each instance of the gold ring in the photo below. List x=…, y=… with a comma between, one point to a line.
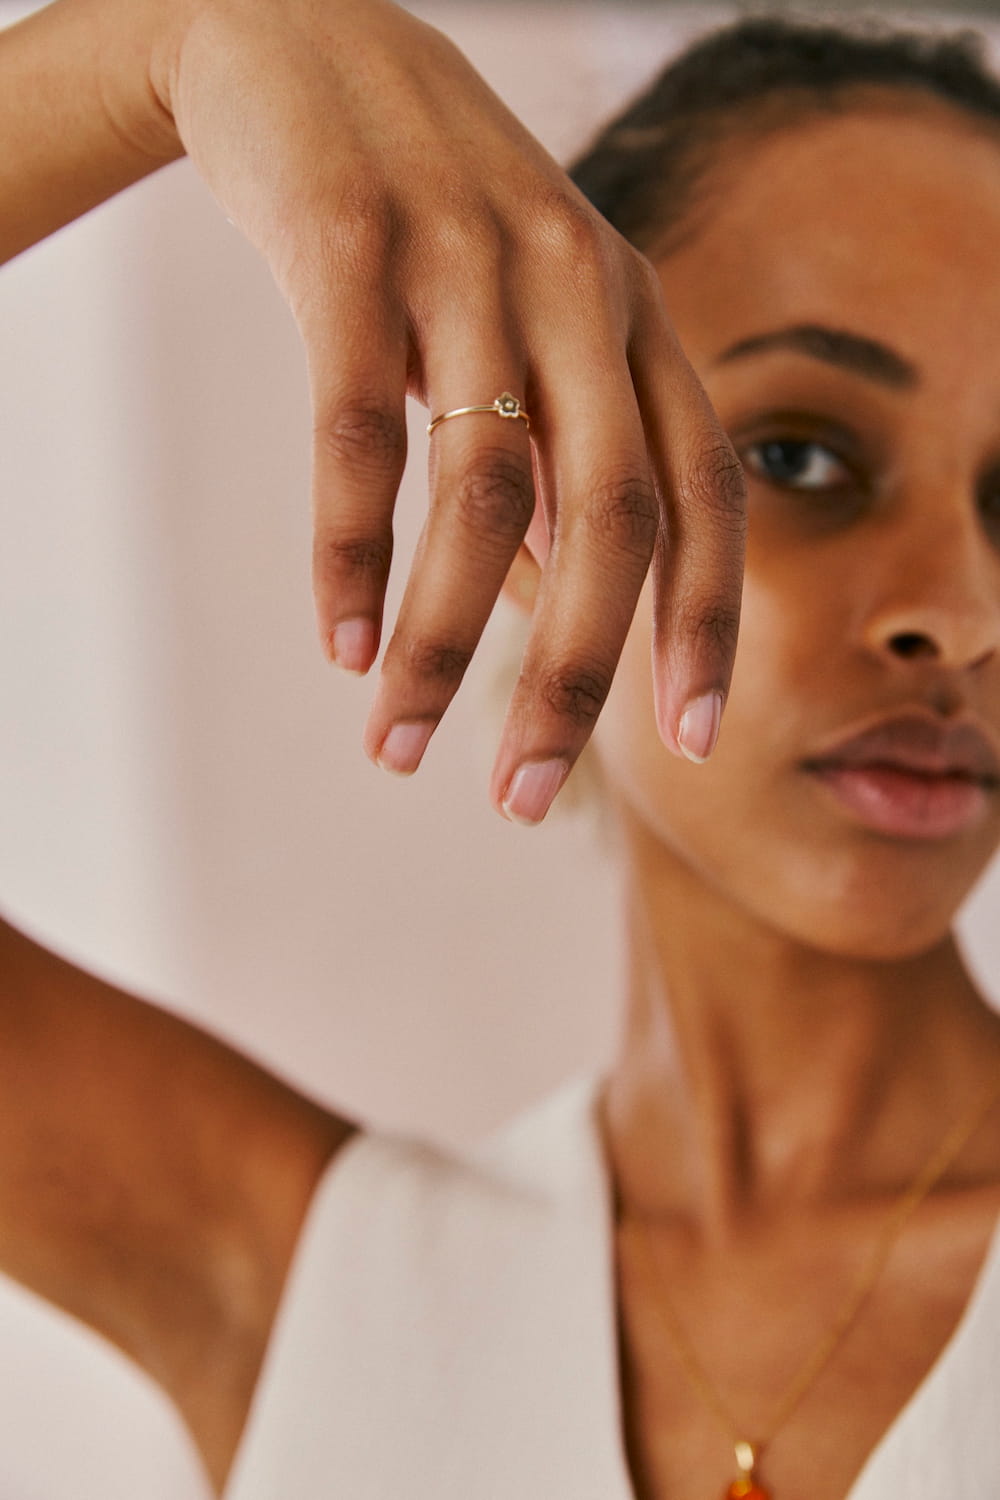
x=506, y=406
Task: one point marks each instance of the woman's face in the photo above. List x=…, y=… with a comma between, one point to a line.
x=841, y=303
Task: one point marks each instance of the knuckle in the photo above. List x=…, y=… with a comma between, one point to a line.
x=648, y=300
x=625, y=515
x=717, y=482
x=645, y=279
x=364, y=223
x=496, y=497
x=364, y=557
x=437, y=662
x=365, y=434
x=570, y=228
x=347, y=229
x=715, y=629
x=466, y=227
x=576, y=693
x=592, y=275
x=464, y=231
x=588, y=253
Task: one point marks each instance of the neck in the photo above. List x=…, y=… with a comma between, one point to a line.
x=756, y=1071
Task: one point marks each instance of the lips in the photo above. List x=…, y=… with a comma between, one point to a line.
x=911, y=776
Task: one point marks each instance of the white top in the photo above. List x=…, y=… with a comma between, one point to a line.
x=448, y=1332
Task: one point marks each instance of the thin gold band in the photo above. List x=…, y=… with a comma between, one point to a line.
x=506, y=406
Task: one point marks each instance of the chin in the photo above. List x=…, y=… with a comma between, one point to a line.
x=871, y=916
x=870, y=942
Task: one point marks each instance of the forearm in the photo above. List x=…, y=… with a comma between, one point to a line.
x=79, y=116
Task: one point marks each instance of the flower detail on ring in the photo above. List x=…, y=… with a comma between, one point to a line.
x=507, y=405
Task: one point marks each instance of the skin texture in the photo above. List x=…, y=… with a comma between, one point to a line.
x=428, y=246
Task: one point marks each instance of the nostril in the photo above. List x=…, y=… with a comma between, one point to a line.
x=911, y=643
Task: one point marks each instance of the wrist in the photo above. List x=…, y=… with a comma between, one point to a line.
x=138, y=44
x=80, y=116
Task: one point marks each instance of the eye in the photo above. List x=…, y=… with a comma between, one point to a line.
x=796, y=463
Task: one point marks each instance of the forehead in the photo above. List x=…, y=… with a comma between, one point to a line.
x=884, y=219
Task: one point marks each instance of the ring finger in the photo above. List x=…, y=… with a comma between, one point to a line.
x=482, y=498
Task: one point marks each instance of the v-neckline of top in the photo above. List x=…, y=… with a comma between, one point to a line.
x=909, y=1414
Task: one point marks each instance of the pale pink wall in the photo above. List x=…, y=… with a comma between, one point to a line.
x=183, y=799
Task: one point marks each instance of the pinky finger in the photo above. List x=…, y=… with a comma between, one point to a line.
x=698, y=561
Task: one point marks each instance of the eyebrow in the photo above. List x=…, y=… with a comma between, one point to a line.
x=848, y=351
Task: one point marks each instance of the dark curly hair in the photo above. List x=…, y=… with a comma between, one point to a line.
x=647, y=170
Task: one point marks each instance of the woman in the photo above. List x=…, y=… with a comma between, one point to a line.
x=792, y=1171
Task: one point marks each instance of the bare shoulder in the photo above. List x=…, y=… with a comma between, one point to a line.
x=153, y=1180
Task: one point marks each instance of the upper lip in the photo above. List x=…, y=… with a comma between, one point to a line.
x=916, y=741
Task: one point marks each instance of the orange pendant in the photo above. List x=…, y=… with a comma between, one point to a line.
x=746, y=1489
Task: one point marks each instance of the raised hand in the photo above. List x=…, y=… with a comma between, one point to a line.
x=428, y=245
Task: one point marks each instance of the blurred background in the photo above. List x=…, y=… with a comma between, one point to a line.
x=184, y=804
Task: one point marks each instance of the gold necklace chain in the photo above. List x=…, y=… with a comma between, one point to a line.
x=747, y=1453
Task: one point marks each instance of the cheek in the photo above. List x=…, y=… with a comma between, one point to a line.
x=710, y=815
x=777, y=660
x=784, y=652
x=743, y=824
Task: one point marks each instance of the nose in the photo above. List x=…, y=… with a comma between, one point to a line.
x=939, y=600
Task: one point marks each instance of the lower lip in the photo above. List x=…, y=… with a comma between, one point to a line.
x=906, y=804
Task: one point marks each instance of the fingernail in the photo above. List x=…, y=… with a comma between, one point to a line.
x=699, y=727
x=404, y=746
x=352, y=645
x=532, y=789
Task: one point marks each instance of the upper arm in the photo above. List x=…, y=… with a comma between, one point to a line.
x=153, y=1181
